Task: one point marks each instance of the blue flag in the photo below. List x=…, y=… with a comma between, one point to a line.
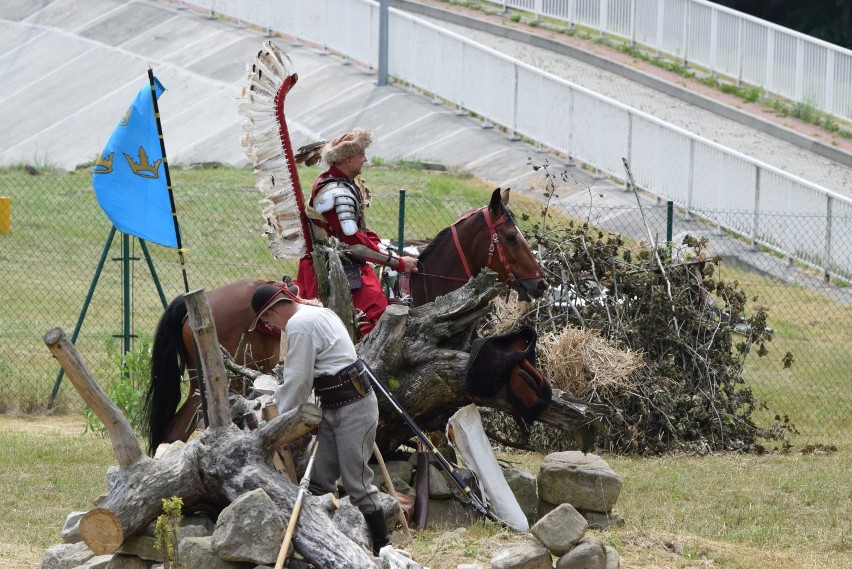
x=130, y=175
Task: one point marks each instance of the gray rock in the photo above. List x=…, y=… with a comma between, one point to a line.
x=97, y=562
x=400, y=469
x=249, y=529
x=613, y=560
x=589, y=554
x=545, y=508
x=602, y=520
x=561, y=529
x=66, y=555
x=198, y=552
x=523, y=486
x=119, y=561
x=71, y=529
x=583, y=480
x=439, y=488
x=525, y=556
x=141, y=546
x=447, y=514
x=403, y=488
x=350, y=522
x=398, y=484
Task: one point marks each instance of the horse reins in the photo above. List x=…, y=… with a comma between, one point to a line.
x=493, y=245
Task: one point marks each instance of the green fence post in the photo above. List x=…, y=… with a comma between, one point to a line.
x=669, y=220
x=83, y=311
x=400, y=240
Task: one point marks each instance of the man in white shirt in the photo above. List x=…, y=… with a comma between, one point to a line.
x=321, y=357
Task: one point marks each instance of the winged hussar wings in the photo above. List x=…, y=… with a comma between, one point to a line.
x=267, y=143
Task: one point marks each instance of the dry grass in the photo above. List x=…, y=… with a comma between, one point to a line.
x=580, y=362
x=576, y=361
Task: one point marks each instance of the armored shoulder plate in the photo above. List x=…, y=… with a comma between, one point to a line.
x=344, y=200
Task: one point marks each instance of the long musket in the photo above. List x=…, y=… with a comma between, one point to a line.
x=472, y=498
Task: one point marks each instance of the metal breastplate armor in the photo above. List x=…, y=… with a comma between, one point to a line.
x=344, y=199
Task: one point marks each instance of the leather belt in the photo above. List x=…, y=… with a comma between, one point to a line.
x=346, y=386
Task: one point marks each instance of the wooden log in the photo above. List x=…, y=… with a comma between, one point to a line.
x=215, y=469
x=282, y=458
x=124, y=443
x=212, y=364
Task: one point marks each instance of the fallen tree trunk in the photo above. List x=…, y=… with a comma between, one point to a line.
x=215, y=469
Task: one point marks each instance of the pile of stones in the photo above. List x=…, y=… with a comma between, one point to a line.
x=572, y=493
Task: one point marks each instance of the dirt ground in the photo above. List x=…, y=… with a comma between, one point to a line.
x=63, y=425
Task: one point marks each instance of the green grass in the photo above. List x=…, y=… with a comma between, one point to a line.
x=43, y=478
x=59, y=232
x=816, y=390
x=756, y=512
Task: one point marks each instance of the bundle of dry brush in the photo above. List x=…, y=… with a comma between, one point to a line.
x=649, y=334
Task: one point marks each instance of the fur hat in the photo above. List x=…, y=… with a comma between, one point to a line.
x=268, y=294
x=346, y=145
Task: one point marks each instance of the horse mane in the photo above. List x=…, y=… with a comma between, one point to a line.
x=438, y=239
x=433, y=244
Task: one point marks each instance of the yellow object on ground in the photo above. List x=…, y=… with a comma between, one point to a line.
x=5, y=215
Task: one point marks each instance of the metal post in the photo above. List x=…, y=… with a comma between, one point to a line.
x=690, y=179
x=669, y=221
x=755, y=227
x=153, y=270
x=125, y=272
x=383, y=43
x=400, y=240
x=633, y=23
x=829, y=210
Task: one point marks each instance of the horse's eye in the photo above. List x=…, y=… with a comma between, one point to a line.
x=512, y=237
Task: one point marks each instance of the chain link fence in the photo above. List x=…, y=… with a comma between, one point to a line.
x=62, y=266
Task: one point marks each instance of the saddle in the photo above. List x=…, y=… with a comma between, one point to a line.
x=508, y=361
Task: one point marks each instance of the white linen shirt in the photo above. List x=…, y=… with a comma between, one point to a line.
x=317, y=344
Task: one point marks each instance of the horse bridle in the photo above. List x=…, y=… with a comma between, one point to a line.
x=493, y=245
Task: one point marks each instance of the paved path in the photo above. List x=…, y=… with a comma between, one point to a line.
x=564, y=57
x=69, y=69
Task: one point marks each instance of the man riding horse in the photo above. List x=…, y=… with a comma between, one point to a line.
x=339, y=200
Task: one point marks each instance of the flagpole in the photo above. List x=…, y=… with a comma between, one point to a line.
x=168, y=179
x=201, y=387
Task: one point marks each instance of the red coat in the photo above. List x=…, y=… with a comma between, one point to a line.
x=370, y=298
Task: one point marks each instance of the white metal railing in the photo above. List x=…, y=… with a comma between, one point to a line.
x=722, y=41
x=672, y=163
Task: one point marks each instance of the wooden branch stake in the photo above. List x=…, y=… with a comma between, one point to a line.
x=124, y=441
x=212, y=363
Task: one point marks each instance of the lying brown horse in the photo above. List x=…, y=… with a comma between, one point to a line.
x=485, y=237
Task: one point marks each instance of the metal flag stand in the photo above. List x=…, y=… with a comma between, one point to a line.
x=125, y=259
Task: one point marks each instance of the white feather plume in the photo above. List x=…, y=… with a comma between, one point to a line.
x=264, y=146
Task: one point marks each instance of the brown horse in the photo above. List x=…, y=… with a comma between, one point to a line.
x=486, y=237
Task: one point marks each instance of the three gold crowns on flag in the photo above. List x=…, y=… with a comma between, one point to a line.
x=142, y=168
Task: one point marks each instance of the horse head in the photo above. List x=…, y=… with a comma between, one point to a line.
x=509, y=254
